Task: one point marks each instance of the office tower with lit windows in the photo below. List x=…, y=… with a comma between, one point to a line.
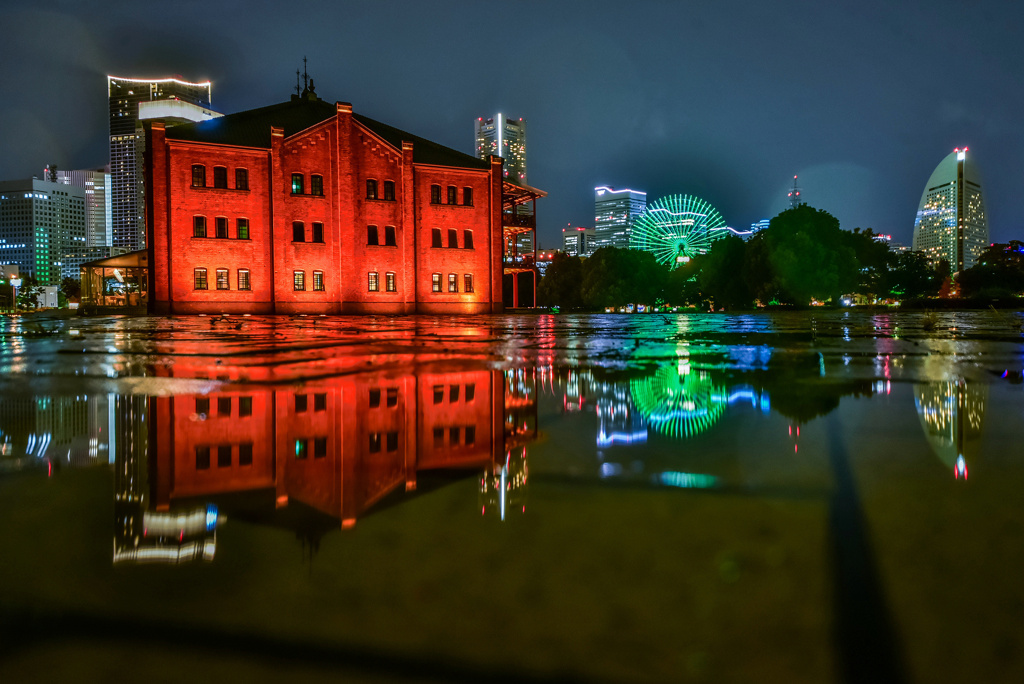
x=951, y=221
x=42, y=224
x=578, y=241
x=96, y=183
x=504, y=137
x=615, y=212
x=133, y=100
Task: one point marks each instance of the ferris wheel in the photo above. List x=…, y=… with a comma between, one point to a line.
x=677, y=228
x=679, y=402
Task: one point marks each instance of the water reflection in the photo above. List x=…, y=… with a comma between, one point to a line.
x=951, y=413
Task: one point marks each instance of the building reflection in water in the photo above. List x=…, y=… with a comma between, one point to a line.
x=951, y=414
x=50, y=432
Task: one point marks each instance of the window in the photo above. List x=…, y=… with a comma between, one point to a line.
x=223, y=406
x=224, y=456
x=374, y=398
x=435, y=237
x=200, y=279
x=453, y=238
x=435, y=282
x=244, y=406
x=453, y=435
x=242, y=229
x=198, y=176
x=467, y=239
x=371, y=189
x=320, y=402
x=392, y=443
x=203, y=406
x=453, y=393
x=299, y=280
x=298, y=231
x=435, y=194
x=221, y=227
x=467, y=197
x=438, y=437
x=470, y=392
x=371, y=235
x=470, y=434
x=389, y=236
x=438, y=394
x=297, y=184
x=392, y=396
x=301, y=448
x=467, y=281
x=389, y=283
x=203, y=458
x=318, y=281
x=243, y=279
x=198, y=226
x=319, y=447
x=245, y=454
x=374, y=442
x=301, y=403
x=318, y=232
x=453, y=194
x=453, y=282
x=316, y=185
x=222, y=279
x=241, y=179
x=220, y=177
x=389, y=191
x=373, y=282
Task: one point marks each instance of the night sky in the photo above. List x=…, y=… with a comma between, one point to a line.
x=725, y=100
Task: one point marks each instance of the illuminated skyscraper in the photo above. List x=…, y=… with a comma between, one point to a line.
x=179, y=101
x=615, y=211
x=951, y=221
x=578, y=241
x=42, y=223
x=505, y=138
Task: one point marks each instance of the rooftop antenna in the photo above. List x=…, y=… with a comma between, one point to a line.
x=298, y=91
x=305, y=76
x=794, y=195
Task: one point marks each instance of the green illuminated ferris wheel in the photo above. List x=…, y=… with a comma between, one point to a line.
x=677, y=228
x=679, y=402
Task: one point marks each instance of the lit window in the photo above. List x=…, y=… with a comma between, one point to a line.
x=223, y=283
x=199, y=226
x=220, y=177
x=467, y=281
x=198, y=176
x=467, y=239
x=389, y=190
x=243, y=279
x=200, y=279
x=453, y=194
x=371, y=189
x=435, y=282
x=389, y=282
x=298, y=231
x=301, y=448
x=316, y=185
x=467, y=197
x=371, y=235
x=298, y=186
x=318, y=281
x=242, y=229
x=221, y=226
x=373, y=281
x=318, y=232
x=435, y=237
x=241, y=179
x=435, y=194
x=299, y=280
x=453, y=282
x=389, y=236
x=453, y=238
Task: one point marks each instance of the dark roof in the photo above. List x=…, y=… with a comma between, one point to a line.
x=252, y=129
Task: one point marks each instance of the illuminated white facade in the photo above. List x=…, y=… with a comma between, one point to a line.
x=615, y=212
x=951, y=222
x=578, y=241
x=504, y=137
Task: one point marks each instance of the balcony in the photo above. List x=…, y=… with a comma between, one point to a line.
x=520, y=261
x=523, y=221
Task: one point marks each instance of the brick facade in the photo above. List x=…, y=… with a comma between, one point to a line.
x=436, y=217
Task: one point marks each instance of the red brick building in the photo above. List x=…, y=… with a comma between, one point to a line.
x=307, y=207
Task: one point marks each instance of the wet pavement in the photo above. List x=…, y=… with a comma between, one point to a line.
x=798, y=497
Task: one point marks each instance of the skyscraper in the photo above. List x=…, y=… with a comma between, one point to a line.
x=615, y=211
x=96, y=183
x=951, y=221
x=506, y=138
x=185, y=102
x=42, y=224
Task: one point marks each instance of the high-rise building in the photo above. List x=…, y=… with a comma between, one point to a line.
x=96, y=183
x=578, y=241
x=615, y=212
x=506, y=138
x=180, y=101
x=756, y=228
x=42, y=224
x=951, y=221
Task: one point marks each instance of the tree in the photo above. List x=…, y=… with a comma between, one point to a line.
x=911, y=275
x=999, y=272
x=71, y=288
x=29, y=292
x=615, y=277
x=721, y=274
x=561, y=283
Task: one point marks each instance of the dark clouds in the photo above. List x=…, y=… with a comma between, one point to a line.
x=726, y=100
